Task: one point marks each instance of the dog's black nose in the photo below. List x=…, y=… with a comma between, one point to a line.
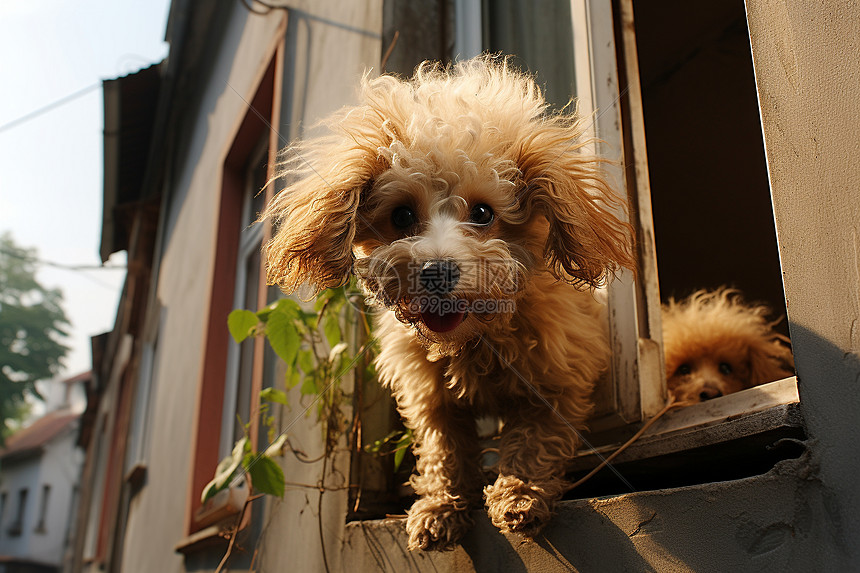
x=710, y=393
x=439, y=276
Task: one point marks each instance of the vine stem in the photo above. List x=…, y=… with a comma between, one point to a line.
x=670, y=405
x=235, y=533
x=319, y=514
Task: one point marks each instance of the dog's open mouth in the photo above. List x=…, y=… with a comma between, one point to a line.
x=440, y=320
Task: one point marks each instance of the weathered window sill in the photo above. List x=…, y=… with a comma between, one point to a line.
x=729, y=526
x=215, y=519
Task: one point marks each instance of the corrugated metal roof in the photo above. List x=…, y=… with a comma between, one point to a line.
x=130, y=103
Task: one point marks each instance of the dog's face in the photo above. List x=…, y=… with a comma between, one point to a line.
x=444, y=194
x=713, y=373
x=444, y=244
x=715, y=345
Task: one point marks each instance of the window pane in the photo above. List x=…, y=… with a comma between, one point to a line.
x=257, y=179
x=539, y=34
x=246, y=357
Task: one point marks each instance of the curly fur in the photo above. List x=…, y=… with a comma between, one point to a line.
x=716, y=344
x=477, y=133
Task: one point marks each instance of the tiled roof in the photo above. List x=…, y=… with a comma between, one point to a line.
x=36, y=435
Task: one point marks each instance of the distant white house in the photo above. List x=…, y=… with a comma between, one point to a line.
x=39, y=474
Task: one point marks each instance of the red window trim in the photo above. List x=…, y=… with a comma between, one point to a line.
x=206, y=426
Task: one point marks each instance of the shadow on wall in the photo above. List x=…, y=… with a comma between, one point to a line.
x=802, y=515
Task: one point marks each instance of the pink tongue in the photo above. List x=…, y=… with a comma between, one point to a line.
x=438, y=322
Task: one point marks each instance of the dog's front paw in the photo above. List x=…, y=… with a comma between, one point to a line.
x=437, y=523
x=514, y=505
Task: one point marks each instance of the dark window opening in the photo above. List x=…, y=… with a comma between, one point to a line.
x=710, y=192
x=43, y=509
x=17, y=526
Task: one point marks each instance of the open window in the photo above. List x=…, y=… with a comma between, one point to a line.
x=672, y=94
x=672, y=86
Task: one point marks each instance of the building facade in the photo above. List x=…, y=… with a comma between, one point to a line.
x=735, y=127
x=39, y=471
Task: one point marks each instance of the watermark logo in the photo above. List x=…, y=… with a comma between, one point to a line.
x=473, y=277
x=443, y=306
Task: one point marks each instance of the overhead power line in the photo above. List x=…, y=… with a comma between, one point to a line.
x=24, y=257
x=49, y=107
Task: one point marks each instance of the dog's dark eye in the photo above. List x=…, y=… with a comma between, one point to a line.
x=403, y=217
x=725, y=368
x=683, y=370
x=481, y=214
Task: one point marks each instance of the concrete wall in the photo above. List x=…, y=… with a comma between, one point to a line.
x=773, y=523
x=156, y=517
x=808, y=74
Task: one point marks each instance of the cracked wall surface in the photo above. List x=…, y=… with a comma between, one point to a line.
x=781, y=521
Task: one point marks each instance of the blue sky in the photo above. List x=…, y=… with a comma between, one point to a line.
x=51, y=166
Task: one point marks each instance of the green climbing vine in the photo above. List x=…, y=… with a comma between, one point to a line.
x=315, y=345
x=314, y=348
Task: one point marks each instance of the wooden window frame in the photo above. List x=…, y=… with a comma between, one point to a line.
x=608, y=89
x=250, y=238
x=608, y=61
x=638, y=389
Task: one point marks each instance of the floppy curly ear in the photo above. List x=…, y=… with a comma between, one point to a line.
x=314, y=217
x=587, y=241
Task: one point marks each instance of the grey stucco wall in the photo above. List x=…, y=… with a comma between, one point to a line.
x=808, y=76
x=781, y=521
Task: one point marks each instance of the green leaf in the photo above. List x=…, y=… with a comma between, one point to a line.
x=309, y=319
x=322, y=298
x=309, y=386
x=370, y=371
x=274, y=395
x=241, y=324
x=209, y=491
x=266, y=475
x=306, y=361
x=283, y=336
x=263, y=313
x=292, y=378
x=228, y=465
x=336, y=351
x=288, y=306
x=331, y=328
x=402, y=445
x=399, y=454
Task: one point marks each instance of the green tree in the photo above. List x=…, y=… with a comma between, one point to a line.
x=32, y=329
